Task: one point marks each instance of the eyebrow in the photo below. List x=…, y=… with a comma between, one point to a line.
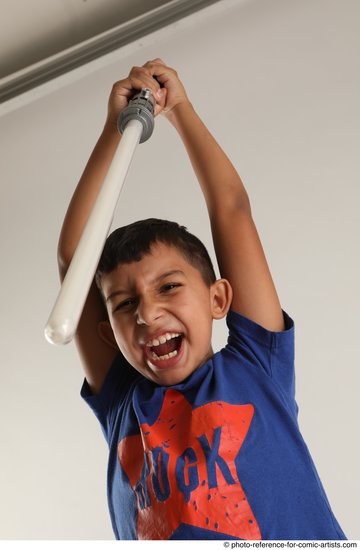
x=154, y=281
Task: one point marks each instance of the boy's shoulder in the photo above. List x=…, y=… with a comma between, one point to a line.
x=247, y=329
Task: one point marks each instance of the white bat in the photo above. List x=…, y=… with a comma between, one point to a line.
x=136, y=123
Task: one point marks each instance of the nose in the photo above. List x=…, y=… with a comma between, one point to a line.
x=148, y=311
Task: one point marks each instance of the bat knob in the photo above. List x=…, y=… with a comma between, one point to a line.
x=141, y=107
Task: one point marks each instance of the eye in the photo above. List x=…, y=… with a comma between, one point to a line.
x=169, y=286
x=125, y=305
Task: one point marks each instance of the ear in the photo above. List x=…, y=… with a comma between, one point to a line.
x=107, y=335
x=221, y=298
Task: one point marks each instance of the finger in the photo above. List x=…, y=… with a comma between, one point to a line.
x=142, y=77
x=154, y=68
x=156, y=61
x=123, y=88
x=159, y=70
x=164, y=74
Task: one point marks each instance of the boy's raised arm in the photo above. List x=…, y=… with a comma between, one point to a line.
x=239, y=252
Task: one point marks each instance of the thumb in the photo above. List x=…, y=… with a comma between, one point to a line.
x=160, y=98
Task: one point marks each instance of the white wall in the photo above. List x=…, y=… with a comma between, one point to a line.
x=278, y=84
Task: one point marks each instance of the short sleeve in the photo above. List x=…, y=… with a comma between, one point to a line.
x=110, y=399
x=274, y=352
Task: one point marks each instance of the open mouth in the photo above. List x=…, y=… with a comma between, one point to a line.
x=166, y=347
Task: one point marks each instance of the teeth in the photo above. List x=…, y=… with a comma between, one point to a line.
x=163, y=357
x=162, y=339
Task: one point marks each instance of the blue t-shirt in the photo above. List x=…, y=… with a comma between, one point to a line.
x=218, y=456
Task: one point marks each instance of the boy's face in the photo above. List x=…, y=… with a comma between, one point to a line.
x=161, y=313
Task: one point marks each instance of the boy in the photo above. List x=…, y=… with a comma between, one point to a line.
x=202, y=446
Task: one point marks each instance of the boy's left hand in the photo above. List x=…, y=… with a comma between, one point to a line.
x=172, y=92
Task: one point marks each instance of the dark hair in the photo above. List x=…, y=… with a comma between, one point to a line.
x=131, y=242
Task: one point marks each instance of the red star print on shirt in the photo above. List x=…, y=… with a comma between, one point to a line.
x=182, y=469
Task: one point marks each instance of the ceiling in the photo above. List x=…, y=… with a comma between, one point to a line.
x=40, y=39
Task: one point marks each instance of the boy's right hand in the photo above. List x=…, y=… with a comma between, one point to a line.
x=123, y=90
x=148, y=76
